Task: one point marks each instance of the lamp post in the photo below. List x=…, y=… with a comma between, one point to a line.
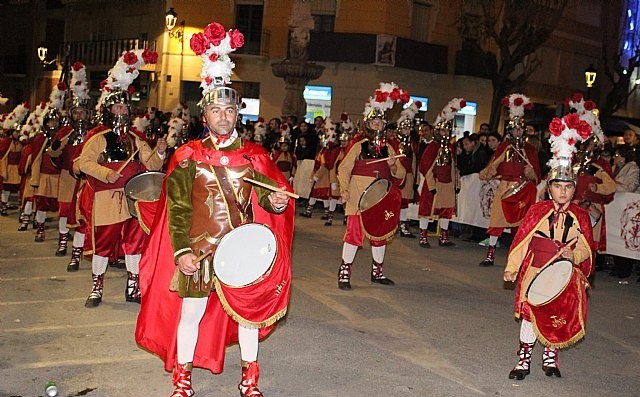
x=170, y=20
x=590, y=75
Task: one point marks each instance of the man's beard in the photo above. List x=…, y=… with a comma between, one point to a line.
x=222, y=130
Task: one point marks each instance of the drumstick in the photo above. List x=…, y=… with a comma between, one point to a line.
x=128, y=161
x=385, y=159
x=202, y=256
x=526, y=160
x=272, y=188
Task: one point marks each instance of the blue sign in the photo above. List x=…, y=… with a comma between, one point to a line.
x=317, y=93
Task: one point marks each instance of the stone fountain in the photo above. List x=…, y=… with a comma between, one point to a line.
x=296, y=70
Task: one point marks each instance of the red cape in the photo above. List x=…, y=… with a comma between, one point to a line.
x=160, y=312
x=63, y=132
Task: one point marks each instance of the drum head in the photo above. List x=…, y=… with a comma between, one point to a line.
x=145, y=187
x=244, y=255
x=373, y=194
x=550, y=282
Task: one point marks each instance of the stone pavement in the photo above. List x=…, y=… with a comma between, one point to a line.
x=445, y=329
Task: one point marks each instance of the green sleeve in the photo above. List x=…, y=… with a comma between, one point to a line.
x=262, y=193
x=179, y=184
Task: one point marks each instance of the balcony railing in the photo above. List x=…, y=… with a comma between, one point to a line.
x=104, y=52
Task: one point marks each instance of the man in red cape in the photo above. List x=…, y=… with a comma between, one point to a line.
x=206, y=196
x=551, y=230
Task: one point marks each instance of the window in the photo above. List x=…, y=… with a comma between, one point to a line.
x=249, y=22
x=318, y=100
x=420, y=20
x=324, y=15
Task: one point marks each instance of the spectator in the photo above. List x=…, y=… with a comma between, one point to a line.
x=484, y=129
x=625, y=170
x=493, y=141
x=473, y=157
x=482, y=139
x=632, y=141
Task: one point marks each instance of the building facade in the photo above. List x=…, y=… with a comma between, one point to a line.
x=414, y=43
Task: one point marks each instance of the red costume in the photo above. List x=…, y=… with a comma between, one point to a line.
x=160, y=313
x=534, y=247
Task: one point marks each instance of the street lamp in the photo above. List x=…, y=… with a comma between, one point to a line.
x=170, y=19
x=590, y=75
x=42, y=55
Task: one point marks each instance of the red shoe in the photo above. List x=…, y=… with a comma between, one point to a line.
x=182, y=381
x=249, y=385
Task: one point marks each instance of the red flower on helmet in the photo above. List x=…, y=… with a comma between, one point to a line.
x=395, y=94
x=584, y=129
x=77, y=66
x=418, y=104
x=26, y=104
x=236, y=38
x=103, y=84
x=404, y=97
x=198, y=43
x=518, y=101
x=62, y=86
x=463, y=103
x=528, y=106
x=381, y=96
x=131, y=89
x=215, y=32
x=572, y=120
x=589, y=105
x=577, y=97
x=130, y=58
x=208, y=80
x=213, y=57
x=149, y=56
x=556, y=127
x=260, y=119
x=78, y=82
x=344, y=116
x=505, y=101
x=571, y=141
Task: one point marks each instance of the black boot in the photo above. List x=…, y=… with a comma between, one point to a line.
x=132, y=291
x=404, y=230
x=377, y=276
x=344, y=276
x=24, y=223
x=491, y=256
x=95, y=297
x=63, y=241
x=325, y=215
x=76, y=257
x=444, y=239
x=344, y=220
x=424, y=239
x=40, y=233
x=307, y=212
x=329, y=220
x=550, y=362
x=3, y=209
x=521, y=370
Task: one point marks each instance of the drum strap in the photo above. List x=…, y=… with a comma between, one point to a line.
x=229, y=196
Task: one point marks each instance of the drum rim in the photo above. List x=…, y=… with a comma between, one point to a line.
x=368, y=187
x=516, y=189
x=135, y=201
x=559, y=292
x=265, y=274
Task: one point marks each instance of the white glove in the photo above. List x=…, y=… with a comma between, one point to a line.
x=290, y=179
x=334, y=186
x=421, y=183
x=315, y=179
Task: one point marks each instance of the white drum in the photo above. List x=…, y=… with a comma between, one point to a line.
x=550, y=282
x=244, y=255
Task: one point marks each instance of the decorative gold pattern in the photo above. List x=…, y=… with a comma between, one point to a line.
x=209, y=203
x=557, y=321
x=388, y=215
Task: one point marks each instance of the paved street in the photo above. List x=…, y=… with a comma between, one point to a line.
x=445, y=329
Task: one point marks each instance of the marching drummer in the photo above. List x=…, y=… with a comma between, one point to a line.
x=440, y=180
x=356, y=172
x=206, y=197
x=514, y=163
x=108, y=159
x=552, y=231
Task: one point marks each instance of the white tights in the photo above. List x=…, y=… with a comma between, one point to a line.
x=192, y=312
x=527, y=334
x=349, y=253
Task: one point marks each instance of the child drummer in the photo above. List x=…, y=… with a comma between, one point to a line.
x=551, y=231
